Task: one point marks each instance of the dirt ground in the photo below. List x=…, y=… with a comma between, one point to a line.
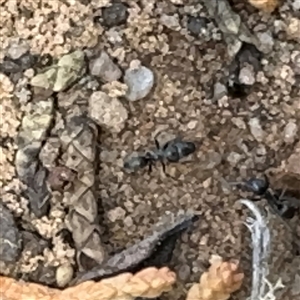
x=230, y=144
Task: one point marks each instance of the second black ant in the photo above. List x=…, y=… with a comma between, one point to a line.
x=283, y=205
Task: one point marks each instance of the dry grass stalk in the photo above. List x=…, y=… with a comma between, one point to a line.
x=265, y=5
x=148, y=283
x=219, y=282
x=261, y=240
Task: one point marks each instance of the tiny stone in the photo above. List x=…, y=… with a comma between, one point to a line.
x=267, y=41
x=9, y=67
x=233, y=158
x=197, y=25
x=105, y=68
x=139, y=81
x=64, y=275
x=107, y=111
x=184, y=272
x=296, y=5
x=16, y=50
x=256, y=129
x=293, y=29
x=220, y=90
x=247, y=76
x=192, y=124
x=27, y=61
x=115, y=214
x=128, y=222
x=290, y=132
x=171, y=22
x=115, y=15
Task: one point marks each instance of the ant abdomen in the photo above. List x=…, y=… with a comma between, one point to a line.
x=257, y=186
x=186, y=148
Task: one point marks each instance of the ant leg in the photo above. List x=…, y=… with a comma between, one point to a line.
x=150, y=168
x=156, y=143
x=164, y=167
x=255, y=199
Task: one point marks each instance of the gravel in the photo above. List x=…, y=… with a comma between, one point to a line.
x=115, y=15
x=104, y=68
x=139, y=80
x=108, y=112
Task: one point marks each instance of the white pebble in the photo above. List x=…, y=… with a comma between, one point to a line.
x=256, y=129
x=290, y=132
x=139, y=81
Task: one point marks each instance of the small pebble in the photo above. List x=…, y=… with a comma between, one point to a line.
x=256, y=129
x=197, y=25
x=17, y=49
x=296, y=5
x=234, y=158
x=247, y=75
x=171, y=22
x=139, y=81
x=290, y=132
x=220, y=90
x=115, y=15
x=107, y=111
x=184, y=272
x=105, y=68
x=266, y=41
x=64, y=274
x=115, y=214
x=293, y=29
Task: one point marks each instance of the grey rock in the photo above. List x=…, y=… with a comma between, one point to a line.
x=139, y=81
x=266, y=41
x=17, y=49
x=256, y=129
x=170, y=21
x=296, y=5
x=247, y=75
x=105, y=68
x=197, y=25
x=107, y=111
x=8, y=67
x=220, y=90
x=10, y=237
x=290, y=132
x=115, y=15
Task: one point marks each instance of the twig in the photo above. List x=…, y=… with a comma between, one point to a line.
x=261, y=240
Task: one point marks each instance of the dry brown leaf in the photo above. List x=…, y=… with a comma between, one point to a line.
x=265, y=5
x=222, y=279
x=148, y=283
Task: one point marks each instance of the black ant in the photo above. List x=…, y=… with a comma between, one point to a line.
x=172, y=151
x=283, y=205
